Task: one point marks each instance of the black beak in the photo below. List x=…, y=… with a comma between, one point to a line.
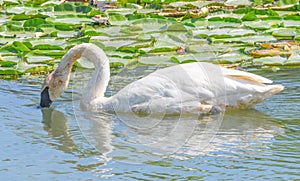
x=45, y=98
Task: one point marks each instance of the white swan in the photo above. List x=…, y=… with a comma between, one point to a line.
x=193, y=87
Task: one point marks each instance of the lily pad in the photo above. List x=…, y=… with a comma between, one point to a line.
x=293, y=60
x=4, y=71
x=152, y=24
x=249, y=40
x=224, y=33
x=9, y=61
x=47, y=47
x=250, y=16
x=277, y=60
x=35, y=68
x=31, y=58
x=233, y=57
x=34, y=22
x=51, y=53
x=155, y=60
x=117, y=19
x=284, y=34
x=201, y=48
x=68, y=20
x=263, y=25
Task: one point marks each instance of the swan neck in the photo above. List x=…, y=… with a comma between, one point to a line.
x=96, y=86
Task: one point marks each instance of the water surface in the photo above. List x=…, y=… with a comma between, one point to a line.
x=64, y=142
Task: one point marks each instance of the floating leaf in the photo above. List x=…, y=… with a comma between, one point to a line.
x=232, y=57
x=33, y=59
x=176, y=27
x=69, y=19
x=250, y=16
x=152, y=24
x=9, y=71
x=51, y=53
x=263, y=25
x=224, y=33
x=155, y=60
x=277, y=60
x=293, y=60
x=249, y=40
x=21, y=47
x=238, y=2
x=47, y=47
x=34, y=22
x=64, y=7
x=117, y=19
x=37, y=69
x=284, y=34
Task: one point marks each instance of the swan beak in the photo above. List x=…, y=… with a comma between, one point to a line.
x=45, y=98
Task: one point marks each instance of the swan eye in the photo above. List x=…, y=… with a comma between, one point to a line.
x=45, y=98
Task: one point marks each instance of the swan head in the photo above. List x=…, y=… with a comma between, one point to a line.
x=54, y=85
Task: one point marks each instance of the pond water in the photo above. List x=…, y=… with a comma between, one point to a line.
x=64, y=142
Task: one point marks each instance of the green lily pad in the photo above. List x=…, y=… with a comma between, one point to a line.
x=51, y=53
x=195, y=57
x=164, y=44
x=249, y=40
x=68, y=20
x=223, y=33
x=9, y=61
x=277, y=60
x=250, y=16
x=177, y=27
x=222, y=24
x=232, y=57
x=64, y=7
x=284, y=34
x=48, y=41
x=66, y=34
x=120, y=11
x=291, y=23
x=117, y=19
x=9, y=71
x=34, y=22
x=117, y=43
x=155, y=60
x=7, y=64
x=47, y=47
x=31, y=58
x=238, y=2
x=201, y=48
x=152, y=24
x=35, y=69
x=263, y=25
x=293, y=60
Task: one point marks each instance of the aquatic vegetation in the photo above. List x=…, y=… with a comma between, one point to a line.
x=34, y=36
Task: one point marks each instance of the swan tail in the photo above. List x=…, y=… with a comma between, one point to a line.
x=274, y=89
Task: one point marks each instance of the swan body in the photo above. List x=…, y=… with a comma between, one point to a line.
x=186, y=88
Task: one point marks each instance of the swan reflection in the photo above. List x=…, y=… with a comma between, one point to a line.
x=57, y=128
x=180, y=137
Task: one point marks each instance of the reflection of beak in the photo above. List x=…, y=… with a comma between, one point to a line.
x=45, y=98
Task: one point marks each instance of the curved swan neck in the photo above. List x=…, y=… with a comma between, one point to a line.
x=96, y=86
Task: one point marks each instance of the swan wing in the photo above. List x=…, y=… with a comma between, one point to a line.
x=246, y=76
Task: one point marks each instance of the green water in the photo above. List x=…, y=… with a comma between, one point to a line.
x=62, y=143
